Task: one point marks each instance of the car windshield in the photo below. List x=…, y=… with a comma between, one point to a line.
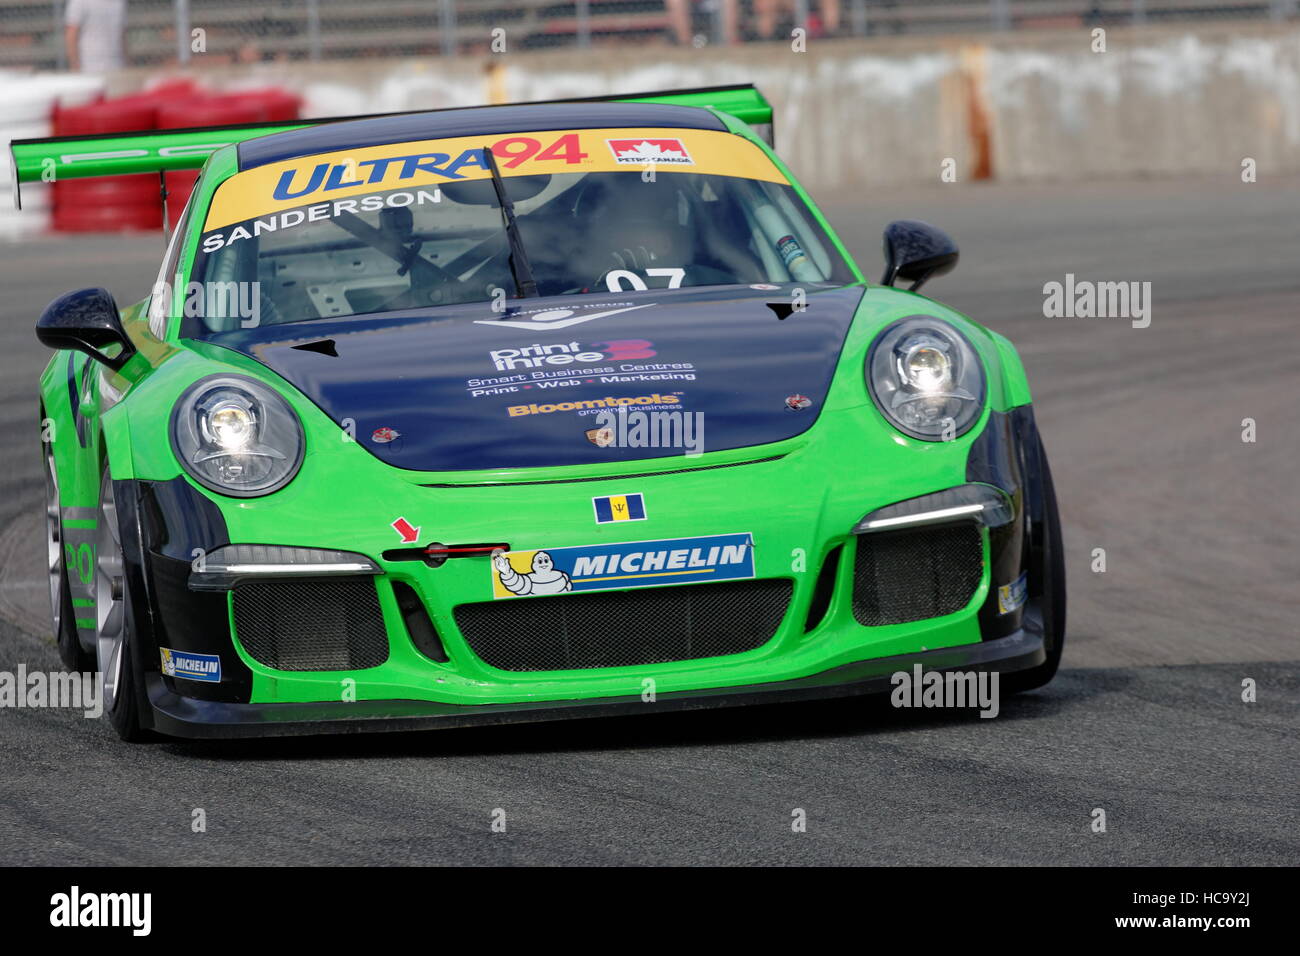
x=419, y=225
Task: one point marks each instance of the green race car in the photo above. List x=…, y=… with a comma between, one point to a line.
x=521, y=413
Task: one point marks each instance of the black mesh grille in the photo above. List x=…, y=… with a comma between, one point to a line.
x=916, y=573
x=323, y=625
x=625, y=628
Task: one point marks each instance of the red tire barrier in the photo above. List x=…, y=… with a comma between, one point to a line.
x=209, y=111
x=106, y=116
x=279, y=106
x=172, y=89
x=180, y=183
x=201, y=111
x=109, y=190
x=114, y=203
x=74, y=218
x=109, y=203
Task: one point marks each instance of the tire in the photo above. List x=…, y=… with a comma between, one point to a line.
x=113, y=621
x=63, y=616
x=1053, y=598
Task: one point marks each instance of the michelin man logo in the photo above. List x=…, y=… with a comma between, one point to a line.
x=542, y=577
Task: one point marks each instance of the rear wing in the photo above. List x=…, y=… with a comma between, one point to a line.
x=158, y=151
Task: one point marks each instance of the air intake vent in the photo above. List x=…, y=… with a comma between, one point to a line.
x=824, y=590
x=418, y=623
x=625, y=628
x=323, y=625
x=917, y=573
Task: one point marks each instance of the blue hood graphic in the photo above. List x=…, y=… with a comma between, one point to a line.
x=461, y=387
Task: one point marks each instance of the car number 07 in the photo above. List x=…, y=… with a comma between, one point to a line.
x=615, y=277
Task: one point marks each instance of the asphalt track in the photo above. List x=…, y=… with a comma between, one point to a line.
x=1145, y=719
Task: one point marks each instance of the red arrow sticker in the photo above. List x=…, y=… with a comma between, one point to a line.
x=403, y=528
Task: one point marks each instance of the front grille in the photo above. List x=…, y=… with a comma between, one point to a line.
x=329, y=624
x=625, y=628
x=916, y=573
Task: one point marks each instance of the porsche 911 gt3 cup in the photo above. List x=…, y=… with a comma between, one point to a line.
x=526, y=412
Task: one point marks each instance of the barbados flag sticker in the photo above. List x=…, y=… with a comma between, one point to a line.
x=619, y=508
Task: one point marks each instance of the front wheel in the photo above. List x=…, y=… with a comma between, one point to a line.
x=113, y=638
x=62, y=615
x=1053, y=597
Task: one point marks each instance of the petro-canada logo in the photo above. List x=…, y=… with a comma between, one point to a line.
x=638, y=152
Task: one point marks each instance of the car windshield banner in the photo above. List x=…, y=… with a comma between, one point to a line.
x=326, y=177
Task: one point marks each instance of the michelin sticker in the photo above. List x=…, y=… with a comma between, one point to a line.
x=634, y=564
x=1012, y=596
x=206, y=667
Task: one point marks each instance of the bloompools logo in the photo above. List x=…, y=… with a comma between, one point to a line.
x=593, y=404
x=664, y=152
x=568, y=353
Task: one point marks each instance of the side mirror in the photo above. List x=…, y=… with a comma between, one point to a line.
x=917, y=251
x=87, y=321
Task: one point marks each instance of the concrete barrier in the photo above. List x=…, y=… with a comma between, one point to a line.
x=1015, y=106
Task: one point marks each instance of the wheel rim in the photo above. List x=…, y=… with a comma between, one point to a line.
x=110, y=616
x=53, y=540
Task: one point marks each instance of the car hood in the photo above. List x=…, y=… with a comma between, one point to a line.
x=462, y=387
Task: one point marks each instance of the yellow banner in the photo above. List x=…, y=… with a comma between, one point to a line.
x=325, y=177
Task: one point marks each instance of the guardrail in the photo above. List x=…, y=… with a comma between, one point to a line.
x=164, y=31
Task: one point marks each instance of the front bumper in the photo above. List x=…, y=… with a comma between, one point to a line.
x=191, y=718
x=823, y=648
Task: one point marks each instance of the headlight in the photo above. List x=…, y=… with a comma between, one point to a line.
x=925, y=378
x=236, y=436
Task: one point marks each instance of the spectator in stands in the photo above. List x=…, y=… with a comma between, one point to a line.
x=681, y=17
x=94, y=33
x=679, y=20
x=824, y=23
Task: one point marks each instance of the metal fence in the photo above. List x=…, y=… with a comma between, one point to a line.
x=169, y=31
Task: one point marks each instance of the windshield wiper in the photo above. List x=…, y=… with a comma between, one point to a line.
x=519, y=267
